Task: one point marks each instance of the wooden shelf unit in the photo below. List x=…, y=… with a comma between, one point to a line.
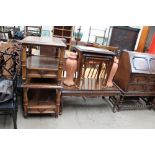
x=42, y=100
x=41, y=76
x=64, y=32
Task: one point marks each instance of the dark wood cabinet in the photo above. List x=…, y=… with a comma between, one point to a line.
x=136, y=72
x=124, y=37
x=135, y=78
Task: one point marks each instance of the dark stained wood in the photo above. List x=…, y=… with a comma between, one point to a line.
x=93, y=69
x=135, y=78
x=124, y=37
x=94, y=50
x=136, y=70
x=42, y=75
x=91, y=57
x=90, y=87
x=37, y=103
x=48, y=51
x=64, y=32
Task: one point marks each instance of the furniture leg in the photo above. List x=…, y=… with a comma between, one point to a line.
x=14, y=116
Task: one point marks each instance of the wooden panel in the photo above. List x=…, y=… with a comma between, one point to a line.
x=138, y=78
x=136, y=87
x=48, y=51
x=124, y=37
x=41, y=74
x=123, y=73
x=143, y=38
x=151, y=88
x=140, y=64
x=140, y=68
x=152, y=78
x=41, y=101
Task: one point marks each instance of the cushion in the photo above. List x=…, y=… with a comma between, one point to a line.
x=6, y=90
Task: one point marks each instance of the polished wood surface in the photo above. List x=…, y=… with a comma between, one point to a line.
x=95, y=59
x=93, y=50
x=36, y=103
x=43, y=83
x=135, y=78
x=110, y=48
x=138, y=69
x=90, y=87
x=37, y=73
x=44, y=41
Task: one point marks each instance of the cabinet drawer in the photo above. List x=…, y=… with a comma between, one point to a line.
x=138, y=79
x=152, y=79
x=135, y=87
x=33, y=73
x=151, y=88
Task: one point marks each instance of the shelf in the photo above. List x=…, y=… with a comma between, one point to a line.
x=58, y=32
x=62, y=29
x=68, y=27
x=36, y=83
x=67, y=33
x=41, y=76
x=41, y=101
x=42, y=62
x=63, y=32
x=42, y=67
x=62, y=36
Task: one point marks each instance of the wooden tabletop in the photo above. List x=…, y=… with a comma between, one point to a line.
x=93, y=50
x=40, y=41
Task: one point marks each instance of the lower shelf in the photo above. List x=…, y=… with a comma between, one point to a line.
x=41, y=101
